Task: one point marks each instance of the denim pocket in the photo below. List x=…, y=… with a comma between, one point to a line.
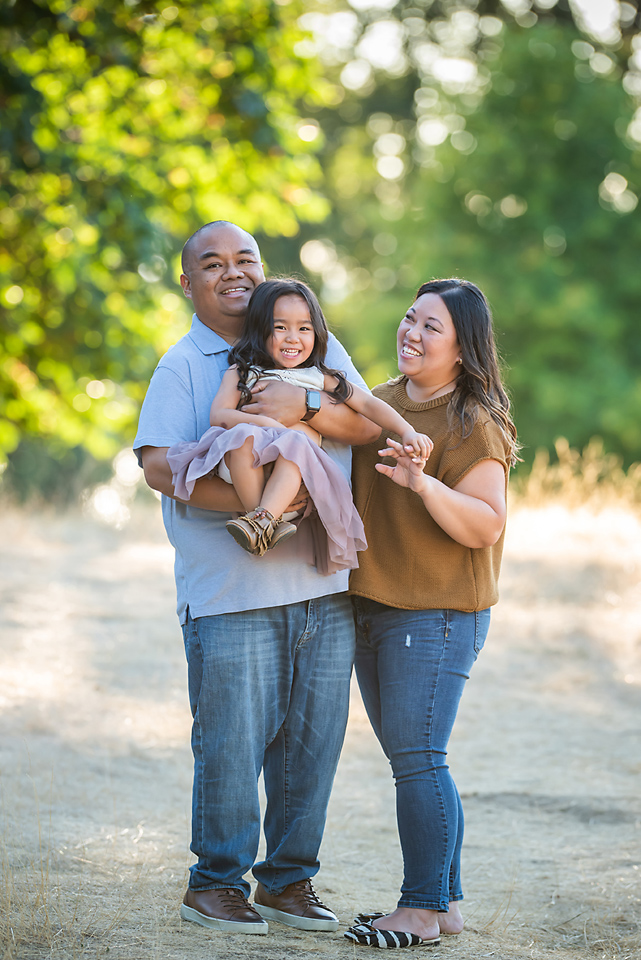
x=361, y=621
x=481, y=627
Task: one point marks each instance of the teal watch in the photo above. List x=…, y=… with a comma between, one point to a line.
x=313, y=403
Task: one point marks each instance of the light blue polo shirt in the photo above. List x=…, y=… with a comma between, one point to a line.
x=213, y=574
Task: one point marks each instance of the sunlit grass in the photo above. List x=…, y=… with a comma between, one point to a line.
x=591, y=477
x=96, y=770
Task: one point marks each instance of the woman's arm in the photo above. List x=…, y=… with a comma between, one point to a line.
x=472, y=513
x=387, y=418
x=223, y=411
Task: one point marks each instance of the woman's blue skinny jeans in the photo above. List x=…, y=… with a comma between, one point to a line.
x=411, y=667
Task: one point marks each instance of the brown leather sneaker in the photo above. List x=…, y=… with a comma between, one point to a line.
x=297, y=906
x=226, y=910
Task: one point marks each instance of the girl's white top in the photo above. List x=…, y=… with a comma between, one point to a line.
x=311, y=378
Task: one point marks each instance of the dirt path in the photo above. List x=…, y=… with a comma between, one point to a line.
x=95, y=766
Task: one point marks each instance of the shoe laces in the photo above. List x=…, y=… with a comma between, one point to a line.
x=260, y=513
x=306, y=891
x=262, y=523
x=234, y=898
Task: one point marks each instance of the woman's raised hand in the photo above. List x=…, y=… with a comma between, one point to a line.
x=408, y=469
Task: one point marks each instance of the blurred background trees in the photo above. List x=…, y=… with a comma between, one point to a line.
x=370, y=144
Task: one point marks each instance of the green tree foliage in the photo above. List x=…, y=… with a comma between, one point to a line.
x=343, y=132
x=124, y=127
x=524, y=178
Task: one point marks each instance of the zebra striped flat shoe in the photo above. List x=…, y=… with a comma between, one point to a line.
x=366, y=935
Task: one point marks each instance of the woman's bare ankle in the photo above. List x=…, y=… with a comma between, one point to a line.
x=451, y=922
x=424, y=923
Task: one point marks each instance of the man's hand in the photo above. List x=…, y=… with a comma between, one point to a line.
x=281, y=401
x=300, y=501
x=334, y=421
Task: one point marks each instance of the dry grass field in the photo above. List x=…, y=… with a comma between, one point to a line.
x=95, y=765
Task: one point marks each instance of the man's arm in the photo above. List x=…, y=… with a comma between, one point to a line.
x=210, y=493
x=224, y=412
x=335, y=421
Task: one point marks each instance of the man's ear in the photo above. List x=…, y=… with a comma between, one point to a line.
x=185, y=283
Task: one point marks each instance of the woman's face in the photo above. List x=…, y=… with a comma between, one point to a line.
x=428, y=349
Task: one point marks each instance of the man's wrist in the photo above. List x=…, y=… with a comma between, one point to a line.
x=312, y=404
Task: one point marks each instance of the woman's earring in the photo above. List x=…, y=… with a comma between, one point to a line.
x=460, y=361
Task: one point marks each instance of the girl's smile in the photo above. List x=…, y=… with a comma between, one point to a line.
x=293, y=338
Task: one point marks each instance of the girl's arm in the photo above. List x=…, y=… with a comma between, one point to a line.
x=472, y=513
x=285, y=402
x=223, y=411
x=387, y=418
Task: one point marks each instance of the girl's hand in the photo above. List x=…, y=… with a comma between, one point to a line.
x=417, y=445
x=408, y=470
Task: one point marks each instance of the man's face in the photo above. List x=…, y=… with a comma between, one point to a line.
x=223, y=269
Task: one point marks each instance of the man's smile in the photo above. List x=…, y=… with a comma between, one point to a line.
x=234, y=291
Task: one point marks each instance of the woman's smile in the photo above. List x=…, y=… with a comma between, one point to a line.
x=408, y=351
x=428, y=348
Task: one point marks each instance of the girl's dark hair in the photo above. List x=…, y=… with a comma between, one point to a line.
x=251, y=350
x=478, y=386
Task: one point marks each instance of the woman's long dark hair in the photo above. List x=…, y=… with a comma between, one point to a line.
x=478, y=386
x=251, y=350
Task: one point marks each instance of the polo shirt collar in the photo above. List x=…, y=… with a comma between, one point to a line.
x=206, y=339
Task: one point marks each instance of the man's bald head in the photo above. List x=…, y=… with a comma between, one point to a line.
x=221, y=270
x=188, y=250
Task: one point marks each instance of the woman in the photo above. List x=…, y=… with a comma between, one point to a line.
x=425, y=584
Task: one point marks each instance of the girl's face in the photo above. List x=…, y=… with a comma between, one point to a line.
x=293, y=338
x=428, y=348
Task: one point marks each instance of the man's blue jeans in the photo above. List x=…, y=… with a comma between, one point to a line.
x=268, y=689
x=411, y=667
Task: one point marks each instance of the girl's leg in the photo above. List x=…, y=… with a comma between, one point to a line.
x=423, y=659
x=248, y=480
x=305, y=428
x=281, y=488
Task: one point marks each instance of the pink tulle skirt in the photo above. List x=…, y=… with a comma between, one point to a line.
x=334, y=524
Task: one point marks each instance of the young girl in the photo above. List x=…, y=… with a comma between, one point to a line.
x=285, y=337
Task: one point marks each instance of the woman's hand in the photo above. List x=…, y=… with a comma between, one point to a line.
x=473, y=513
x=408, y=470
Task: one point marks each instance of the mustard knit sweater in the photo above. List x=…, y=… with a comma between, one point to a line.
x=411, y=562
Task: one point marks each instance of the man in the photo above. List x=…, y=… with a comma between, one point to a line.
x=269, y=641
